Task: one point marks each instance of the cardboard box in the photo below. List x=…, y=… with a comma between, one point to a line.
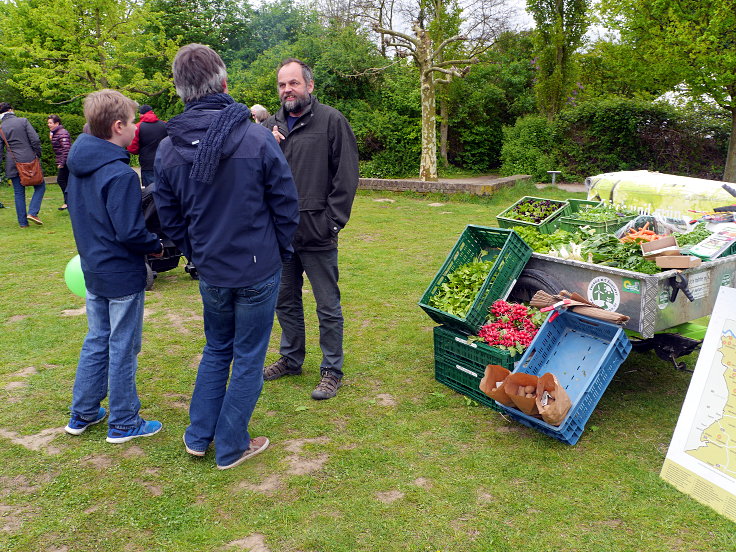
x=662, y=246
x=677, y=261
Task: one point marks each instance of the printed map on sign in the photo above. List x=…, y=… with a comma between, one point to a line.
x=713, y=433
x=701, y=459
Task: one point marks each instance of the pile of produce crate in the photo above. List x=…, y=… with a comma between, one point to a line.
x=481, y=269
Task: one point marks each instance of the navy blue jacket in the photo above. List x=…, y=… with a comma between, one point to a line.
x=107, y=219
x=238, y=229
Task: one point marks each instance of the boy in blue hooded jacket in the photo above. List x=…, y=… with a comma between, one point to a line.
x=112, y=240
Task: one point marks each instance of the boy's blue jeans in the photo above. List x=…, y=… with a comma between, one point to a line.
x=19, y=191
x=109, y=360
x=237, y=325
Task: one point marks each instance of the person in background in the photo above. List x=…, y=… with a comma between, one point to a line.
x=112, y=240
x=60, y=142
x=25, y=146
x=148, y=135
x=259, y=113
x=323, y=155
x=225, y=196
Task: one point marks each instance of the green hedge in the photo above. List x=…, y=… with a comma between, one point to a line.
x=618, y=134
x=73, y=123
x=527, y=148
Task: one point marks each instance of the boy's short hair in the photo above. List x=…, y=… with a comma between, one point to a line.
x=104, y=107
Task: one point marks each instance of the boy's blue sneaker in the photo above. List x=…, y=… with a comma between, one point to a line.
x=78, y=425
x=146, y=429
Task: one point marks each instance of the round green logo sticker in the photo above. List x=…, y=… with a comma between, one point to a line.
x=604, y=293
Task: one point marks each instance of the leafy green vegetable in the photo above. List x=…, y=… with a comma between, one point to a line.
x=607, y=250
x=533, y=210
x=600, y=213
x=458, y=293
x=544, y=243
x=696, y=235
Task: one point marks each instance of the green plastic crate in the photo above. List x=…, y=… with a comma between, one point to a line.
x=572, y=224
x=547, y=226
x=574, y=205
x=510, y=254
x=460, y=364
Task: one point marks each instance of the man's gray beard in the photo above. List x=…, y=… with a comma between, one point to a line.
x=295, y=106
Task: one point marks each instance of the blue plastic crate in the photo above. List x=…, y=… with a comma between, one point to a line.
x=584, y=354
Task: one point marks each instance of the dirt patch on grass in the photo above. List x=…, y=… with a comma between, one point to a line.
x=38, y=442
x=178, y=400
x=18, y=318
x=384, y=200
x=254, y=543
x=25, y=372
x=389, y=497
x=182, y=322
x=12, y=518
x=74, y=312
x=268, y=486
x=298, y=464
x=21, y=484
x=423, y=482
x=384, y=399
x=153, y=488
x=98, y=461
x=485, y=498
x=16, y=385
x=134, y=451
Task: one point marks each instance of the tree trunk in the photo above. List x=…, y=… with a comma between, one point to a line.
x=428, y=162
x=729, y=173
x=444, y=115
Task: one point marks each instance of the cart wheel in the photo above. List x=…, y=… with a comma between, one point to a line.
x=530, y=281
x=150, y=276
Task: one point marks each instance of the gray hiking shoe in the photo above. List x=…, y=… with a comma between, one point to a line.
x=280, y=368
x=327, y=387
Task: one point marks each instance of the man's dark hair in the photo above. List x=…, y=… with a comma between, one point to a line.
x=198, y=71
x=55, y=118
x=5, y=106
x=145, y=108
x=306, y=69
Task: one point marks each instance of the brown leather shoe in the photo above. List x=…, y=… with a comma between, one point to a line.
x=280, y=368
x=35, y=219
x=327, y=387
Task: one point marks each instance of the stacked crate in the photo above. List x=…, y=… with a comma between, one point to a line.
x=459, y=361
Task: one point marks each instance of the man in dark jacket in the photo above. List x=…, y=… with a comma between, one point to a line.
x=225, y=196
x=323, y=155
x=25, y=146
x=148, y=135
x=60, y=143
x=112, y=240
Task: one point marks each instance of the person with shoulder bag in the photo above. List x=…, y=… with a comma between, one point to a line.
x=22, y=148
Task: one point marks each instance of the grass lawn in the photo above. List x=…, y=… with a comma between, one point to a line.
x=396, y=462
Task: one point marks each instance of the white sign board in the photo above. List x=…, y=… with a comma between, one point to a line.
x=701, y=460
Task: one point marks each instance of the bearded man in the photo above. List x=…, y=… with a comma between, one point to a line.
x=321, y=150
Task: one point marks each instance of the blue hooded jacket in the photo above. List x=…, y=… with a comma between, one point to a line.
x=107, y=219
x=238, y=228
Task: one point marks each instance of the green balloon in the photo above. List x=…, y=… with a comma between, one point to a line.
x=74, y=277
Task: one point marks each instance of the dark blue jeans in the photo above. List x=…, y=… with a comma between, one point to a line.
x=321, y=270
x=20, y=200
x=237, y=325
